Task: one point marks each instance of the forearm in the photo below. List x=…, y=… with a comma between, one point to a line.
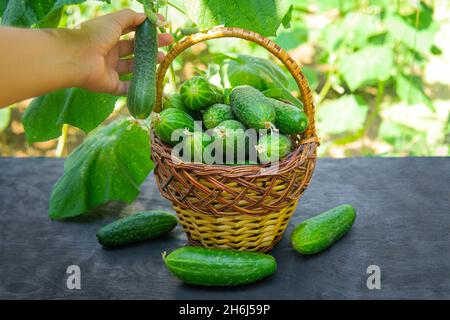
x=34, y=62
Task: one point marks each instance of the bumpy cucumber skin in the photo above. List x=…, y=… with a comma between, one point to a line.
x=318, y=233
x=252, y=108
x=289, y=119
x=230, y=132
x=196, y=142
x=169, y=120
x=216, y=114
x=138, y=227
x=273, y=147
x=198, y=94
x=142, y=92
x=216, y=267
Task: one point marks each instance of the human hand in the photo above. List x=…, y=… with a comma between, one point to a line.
x=104, y=56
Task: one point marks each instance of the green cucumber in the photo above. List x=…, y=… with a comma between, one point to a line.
x=198, y=94
x=230, y=134
x=175, y=101
x=218, y=267
x=216, y=114
x=318, y=233
x=142, y=92
x=289, y=119
x=252, y=108
x=169, y=120
x=194, y=144
x=138, y=227
x=272, y=147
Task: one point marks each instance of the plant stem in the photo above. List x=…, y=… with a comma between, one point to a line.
x=378, y=99
x=326, y=87
x=176, y=7
x=62, y=141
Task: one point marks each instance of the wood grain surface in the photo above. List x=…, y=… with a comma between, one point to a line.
x=403, y=226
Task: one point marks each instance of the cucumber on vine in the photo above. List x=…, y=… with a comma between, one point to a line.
x=142, y=92
x=198, y=93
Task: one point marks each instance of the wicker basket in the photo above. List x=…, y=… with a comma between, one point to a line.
x=239, y=207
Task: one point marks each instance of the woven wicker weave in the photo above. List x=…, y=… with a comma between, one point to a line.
x=240, y=207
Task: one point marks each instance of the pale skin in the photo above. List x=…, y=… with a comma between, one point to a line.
x=37, y=61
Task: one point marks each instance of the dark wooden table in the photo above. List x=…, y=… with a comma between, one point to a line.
x=403, y=226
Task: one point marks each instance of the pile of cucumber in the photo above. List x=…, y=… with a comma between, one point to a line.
x=220, y=267
x=208, y=117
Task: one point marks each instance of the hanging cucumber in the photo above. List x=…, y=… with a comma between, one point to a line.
x=142, y=92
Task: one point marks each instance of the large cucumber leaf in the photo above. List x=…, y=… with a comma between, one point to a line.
x=40, y=13
x=44, y=118
x=111, y=164
x=259, y=73
x=262, y=16
x=346, y=114
x=410, y=90
x=367, y=66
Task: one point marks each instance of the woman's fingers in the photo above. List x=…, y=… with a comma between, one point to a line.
x=125, y=66
x=165, y=39
x=127, y=18
x=122, y=88
x=126, y=47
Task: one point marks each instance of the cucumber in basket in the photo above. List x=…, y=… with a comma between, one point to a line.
x=289, y=119
x=252, y=107
x=273, y=147
x=217, y=267
x=216, y=114
x=318, y=233
x=198, y=94
x=169, y=120
x=140, y=226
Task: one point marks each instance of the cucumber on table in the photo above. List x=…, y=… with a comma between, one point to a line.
x=217, y=267
x=289, y=119
x=140, y=226
x=252, y=107
x=141, y=96
x=167, y=121
x=216, y=114
x=318, y=233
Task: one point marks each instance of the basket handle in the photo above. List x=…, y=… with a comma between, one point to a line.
x=231, y=32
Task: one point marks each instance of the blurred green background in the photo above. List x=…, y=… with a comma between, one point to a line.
x=379, y=69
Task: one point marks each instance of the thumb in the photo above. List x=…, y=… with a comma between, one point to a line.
x=127, y=18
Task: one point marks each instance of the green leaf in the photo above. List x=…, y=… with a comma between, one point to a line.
x=5, y=118
x=366, y=66
x=257, y=72
x=110, y=165
x=44, y=118
x=353, y=31
x=262, y=16
x=291, y=39
x=283, y=94
x=420, y=40
x=346, y=114
x=40, y=13
x=410, y=90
